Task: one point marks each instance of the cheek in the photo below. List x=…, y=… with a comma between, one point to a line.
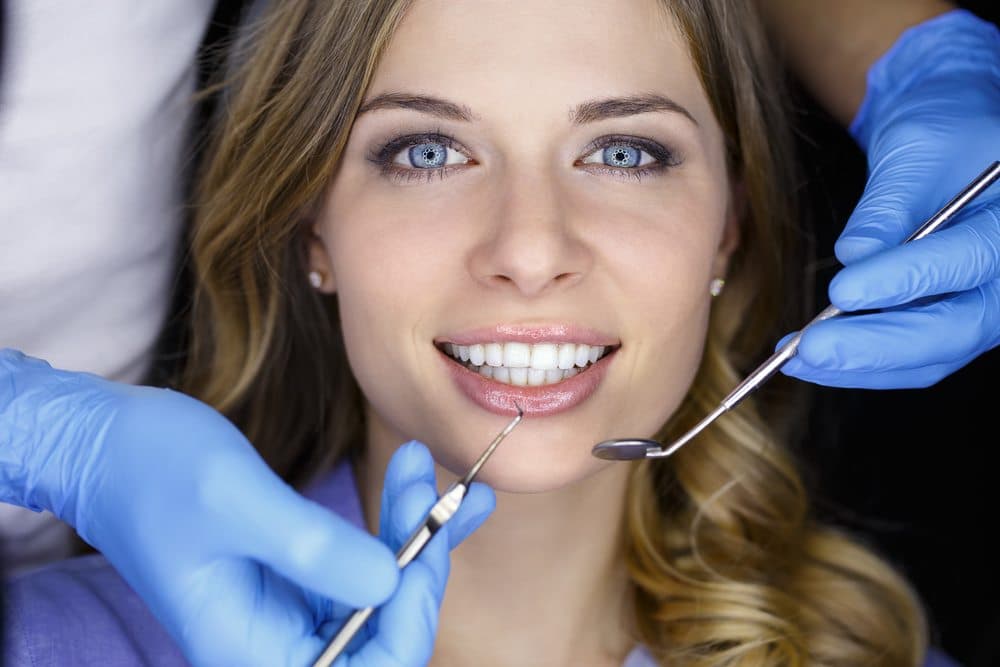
x=391, y=267
x=664, y=264
x=379, y=250
x=663, y=255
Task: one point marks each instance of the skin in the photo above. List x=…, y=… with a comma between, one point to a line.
x=831, y=44
x=529, y=227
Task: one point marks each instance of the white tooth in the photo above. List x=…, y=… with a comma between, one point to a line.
x=501, y=374
x=582, y=355
x=595, y=353
x=570, y=373
x=477, y=354
x=463, y=352
x=553, y=376
x=519, y=376
x=451, y=349
x=494, y=354
x=544, y=356
x=567, y=355
x=536, y=377
x=516, y=355
x=486, y=371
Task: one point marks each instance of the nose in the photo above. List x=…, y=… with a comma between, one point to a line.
x=529, y=245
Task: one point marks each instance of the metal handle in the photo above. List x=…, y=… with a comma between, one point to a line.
x=774, y=363
x=443, y=509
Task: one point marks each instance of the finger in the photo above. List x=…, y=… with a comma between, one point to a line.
x=271, y=523
x=259, y=614
x=906, y=185
x=404, y=628
x=407, y=623
x=411, y=506
x=785, y=339
x=888, y=209
x=943, y=332
x=410, y=464
x=413, y=463
x=405, y=515
x=11, y=359
x=29, y=378
x=951, y=260
x=915, y=378
x=479, y=503
x=408, y=511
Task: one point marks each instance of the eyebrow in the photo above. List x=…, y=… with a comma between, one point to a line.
x=617, y=107
x=586, y=112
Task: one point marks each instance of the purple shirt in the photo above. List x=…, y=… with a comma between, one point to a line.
x=80, y=612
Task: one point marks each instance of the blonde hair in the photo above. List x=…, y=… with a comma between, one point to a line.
x=726, y=565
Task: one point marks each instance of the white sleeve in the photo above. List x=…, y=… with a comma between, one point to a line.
x=94, y=113
x=94, y=108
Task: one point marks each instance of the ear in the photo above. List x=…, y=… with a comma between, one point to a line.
x=731, y=231
x=318, y=258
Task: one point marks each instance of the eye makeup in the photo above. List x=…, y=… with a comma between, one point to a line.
x=665, y=157
x=383, y=156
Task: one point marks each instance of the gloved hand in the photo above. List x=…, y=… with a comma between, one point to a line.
x=402, y=632
x=930, y=123
x=238, y=567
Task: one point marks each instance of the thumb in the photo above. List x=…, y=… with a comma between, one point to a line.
x=890, y=208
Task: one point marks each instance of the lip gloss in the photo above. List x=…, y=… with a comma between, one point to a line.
x=550, y=399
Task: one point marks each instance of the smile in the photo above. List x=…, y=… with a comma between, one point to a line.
x=545, y=370
x=523, y=364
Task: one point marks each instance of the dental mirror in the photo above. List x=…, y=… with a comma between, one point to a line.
x=625, y=450
x=633, y=448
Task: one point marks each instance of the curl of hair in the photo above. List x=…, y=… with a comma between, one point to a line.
x=728, y=566
x=725, y=563
x=266, y=348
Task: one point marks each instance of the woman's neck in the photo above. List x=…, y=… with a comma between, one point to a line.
x=540, y=582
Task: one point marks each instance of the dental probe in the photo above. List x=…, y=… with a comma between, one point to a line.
x=637, y=448
x=445, y=508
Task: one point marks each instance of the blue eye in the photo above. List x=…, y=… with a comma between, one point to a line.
x=424, y=156
x=621, y=156
x=428, y=155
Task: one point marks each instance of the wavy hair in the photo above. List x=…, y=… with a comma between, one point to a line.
x=726, y=564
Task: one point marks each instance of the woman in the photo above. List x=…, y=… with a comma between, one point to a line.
x=395, y=185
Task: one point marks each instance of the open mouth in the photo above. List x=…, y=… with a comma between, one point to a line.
x=524, y=364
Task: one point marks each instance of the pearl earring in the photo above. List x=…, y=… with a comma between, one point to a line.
x=316, y=279
x=715, y=287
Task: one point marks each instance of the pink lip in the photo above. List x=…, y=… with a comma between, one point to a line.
x=554, y=333
x=499, y=398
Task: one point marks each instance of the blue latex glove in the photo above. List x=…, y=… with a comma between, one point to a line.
x=930, y=123
x=402, y=632
x=239, y=568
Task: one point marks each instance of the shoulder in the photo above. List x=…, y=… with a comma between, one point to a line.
x=81, y=612
x=936, y=658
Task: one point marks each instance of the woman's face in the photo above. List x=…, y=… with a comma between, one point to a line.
x=526, y=178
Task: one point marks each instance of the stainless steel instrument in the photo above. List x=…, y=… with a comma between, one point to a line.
x=637, y=448
x=443, y=510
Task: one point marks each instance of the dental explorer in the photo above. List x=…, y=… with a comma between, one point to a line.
x=638, y=448
x=443, y=510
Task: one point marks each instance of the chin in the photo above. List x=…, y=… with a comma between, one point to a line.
x=522, y=465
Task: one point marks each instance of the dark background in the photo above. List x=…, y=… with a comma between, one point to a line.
x=910, y=470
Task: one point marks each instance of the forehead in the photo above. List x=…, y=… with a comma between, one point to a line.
x=539, y=56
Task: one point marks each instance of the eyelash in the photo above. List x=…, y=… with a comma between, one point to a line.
x=383, y=157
